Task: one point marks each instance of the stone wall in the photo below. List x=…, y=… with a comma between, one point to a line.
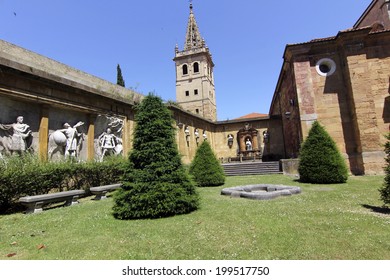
x=217, y=134
x=378, y=12
x=370, y=80
x=190, y=132
x=351, y=101
x=325, y=97
x=226, y=128
x=289, y=106
x=48, y=94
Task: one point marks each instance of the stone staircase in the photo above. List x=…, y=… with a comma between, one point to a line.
x=251, y=168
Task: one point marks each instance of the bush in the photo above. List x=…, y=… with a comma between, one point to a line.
x=320, y=160
x=385, y=190
x=155, y=184
x=94, y=173
x=23, y=176
x=205, y=167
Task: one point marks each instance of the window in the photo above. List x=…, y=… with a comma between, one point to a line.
x=196, y=67
x=185, y=69
x=325, y=67
x=197, y=111
x=196, y=92
x=187, y=93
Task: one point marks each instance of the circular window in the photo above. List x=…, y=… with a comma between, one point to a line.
x=325, y=67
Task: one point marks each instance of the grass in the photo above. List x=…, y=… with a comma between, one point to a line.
x=323, y=222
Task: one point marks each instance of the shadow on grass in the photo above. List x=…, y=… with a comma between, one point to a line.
x=12, y=209
x=376, y=209
x=17, y=208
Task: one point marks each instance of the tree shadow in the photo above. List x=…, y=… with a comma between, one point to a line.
x=376, y=209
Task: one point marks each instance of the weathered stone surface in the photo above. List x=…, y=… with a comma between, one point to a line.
x=261, y=191
x=101, y=191
x=35, y=203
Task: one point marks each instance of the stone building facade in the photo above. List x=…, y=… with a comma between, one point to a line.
x=49, y=94
x=342, y=81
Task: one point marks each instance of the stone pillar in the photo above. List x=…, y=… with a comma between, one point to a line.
x=126, y=136
x=43, y=134
x=182, y=144
x=255, y=142
x=91, y=138
x=242, y=142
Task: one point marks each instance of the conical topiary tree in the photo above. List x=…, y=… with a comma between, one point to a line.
x=385, y=190
x=205, y=167
x=156, y=184
x=320, y=160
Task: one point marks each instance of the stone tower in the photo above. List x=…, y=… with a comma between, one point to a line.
x=195, y=90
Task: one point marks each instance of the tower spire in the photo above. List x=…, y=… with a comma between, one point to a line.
x=195, y=90
x=193, y=38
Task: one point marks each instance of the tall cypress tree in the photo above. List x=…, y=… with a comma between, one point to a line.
x=119, y=78
x=155, y=184
x=320, y=160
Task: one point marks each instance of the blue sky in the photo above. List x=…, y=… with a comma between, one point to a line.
x=246, y=38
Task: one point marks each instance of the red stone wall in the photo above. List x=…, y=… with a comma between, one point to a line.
x=352, y=104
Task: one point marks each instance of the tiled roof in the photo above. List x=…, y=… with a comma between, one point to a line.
x=327, y=39
x=253, y=116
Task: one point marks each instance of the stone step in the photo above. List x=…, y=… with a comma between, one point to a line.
x=252, y=168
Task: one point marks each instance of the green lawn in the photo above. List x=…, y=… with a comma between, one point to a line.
x=323, y=222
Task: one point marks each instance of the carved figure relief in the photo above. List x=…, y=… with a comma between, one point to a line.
x=68, y=139
x=19, y=135
x=108, y=140
x=109, y=144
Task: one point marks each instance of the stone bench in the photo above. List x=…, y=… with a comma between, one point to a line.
x=35, y=203
x=101, y=191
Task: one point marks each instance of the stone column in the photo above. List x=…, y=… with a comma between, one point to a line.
x=242, y=142
x=182, y=144
x=126, y=136
x=43, y=134
x=255, y=142
x=91, y=138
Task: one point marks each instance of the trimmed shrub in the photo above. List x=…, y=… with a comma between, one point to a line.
x=205, y=167
x=320, y=160
x=20, y=176
x=94, y=173
x=385, y=190
x=155, y=183
x=26, y=175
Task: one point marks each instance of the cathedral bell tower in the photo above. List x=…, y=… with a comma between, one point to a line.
x=195, y=90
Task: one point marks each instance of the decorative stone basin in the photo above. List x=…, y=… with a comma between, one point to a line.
x=261, y=191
